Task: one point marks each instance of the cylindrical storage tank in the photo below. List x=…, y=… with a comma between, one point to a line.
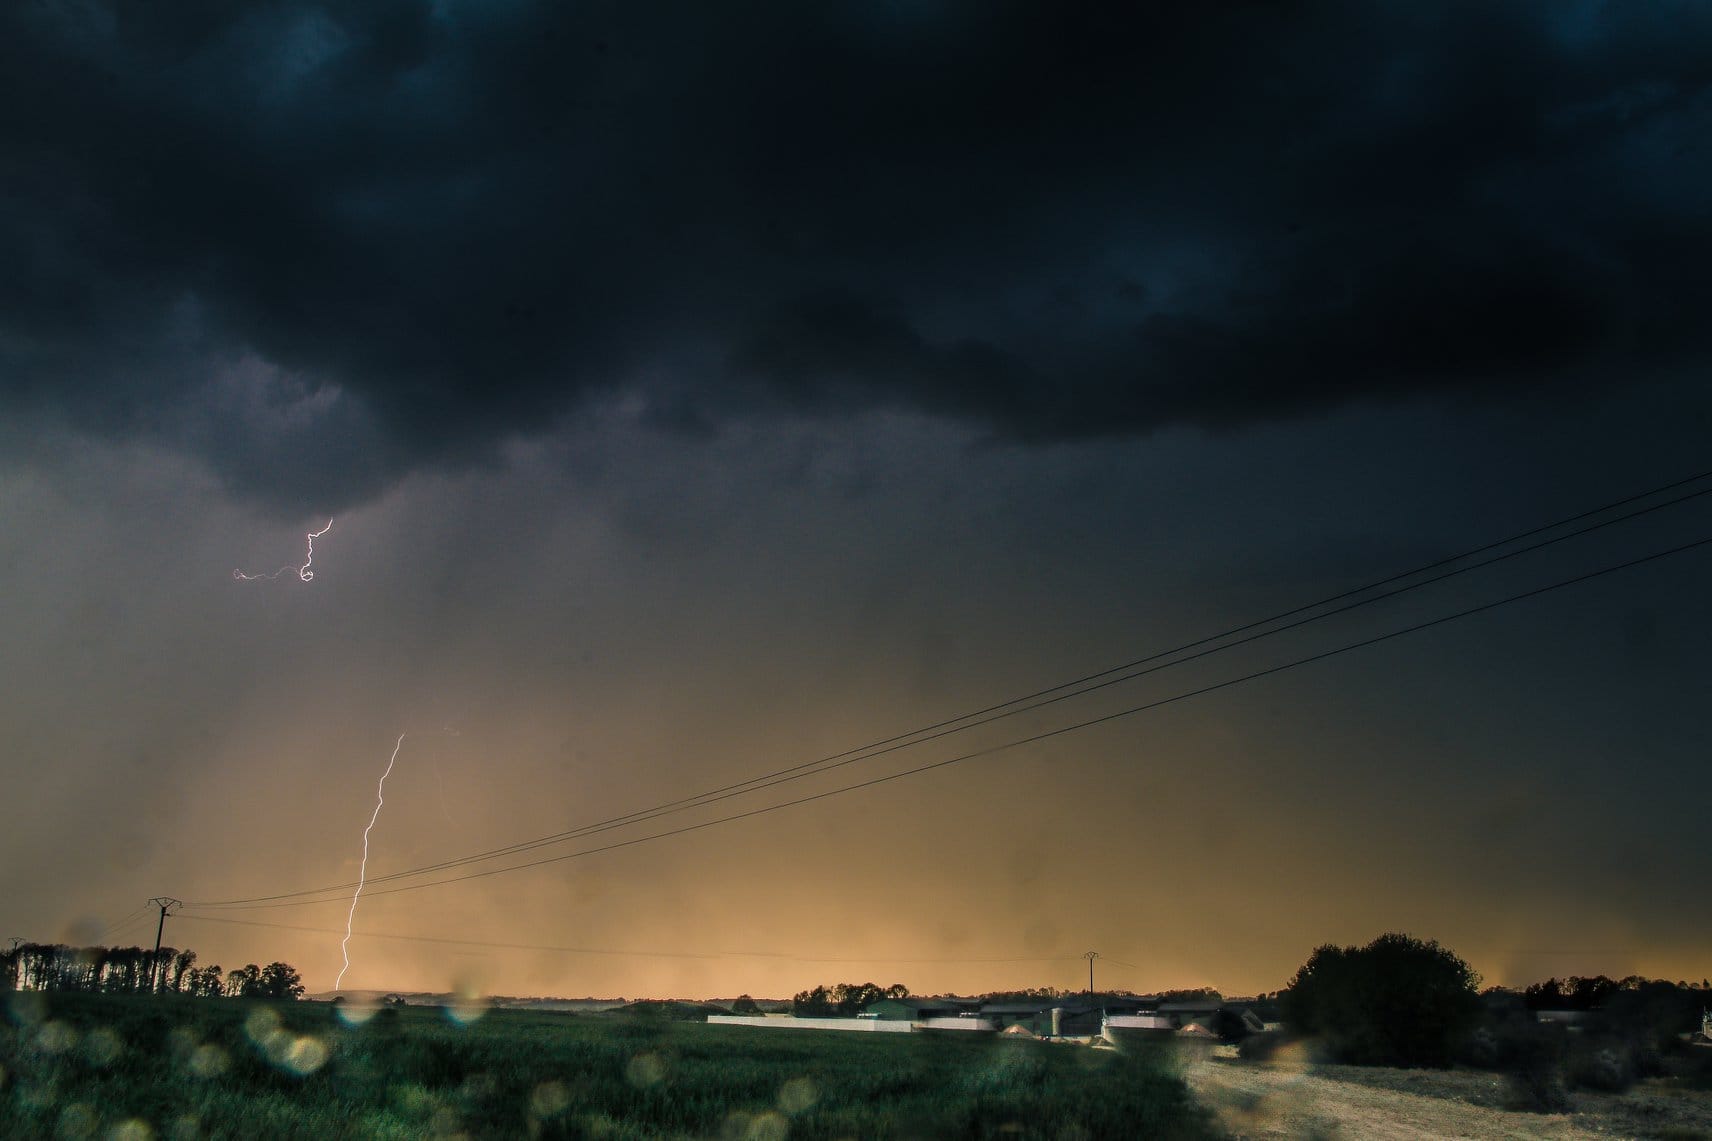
x=1057, y=1021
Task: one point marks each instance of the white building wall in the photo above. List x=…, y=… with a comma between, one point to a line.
x=986, y=1024
x=870, y=1025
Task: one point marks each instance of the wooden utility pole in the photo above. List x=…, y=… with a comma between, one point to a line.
x=166, y=905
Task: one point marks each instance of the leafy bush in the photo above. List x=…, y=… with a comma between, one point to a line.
x=1532, y=1056
x=1398, y=1001
x=1607, y=1064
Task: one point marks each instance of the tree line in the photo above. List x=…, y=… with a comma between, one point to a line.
x=842, y=1000
x=140, y=970
x=1597, y=992
x=847, y=1000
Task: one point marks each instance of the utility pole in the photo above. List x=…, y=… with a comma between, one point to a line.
x=167, y=904
x=1090, y=956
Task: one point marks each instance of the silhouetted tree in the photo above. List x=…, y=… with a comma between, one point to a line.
x=843, y=999
x=206, y=981
x=244, y=981
x=745, y=1005
x=126, y=970
x=1030, y=994
x=1396, y=1001
x=816, y=1003
x=1651, y=1012
x=280, y=980
x=852, y=999
x=181, y=965
x=1195, y=994
x=1573, y=993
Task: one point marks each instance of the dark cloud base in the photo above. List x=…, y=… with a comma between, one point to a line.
x=323, y=245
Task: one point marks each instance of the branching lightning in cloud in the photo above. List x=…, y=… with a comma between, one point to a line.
x=303, y=571
x=363, y=870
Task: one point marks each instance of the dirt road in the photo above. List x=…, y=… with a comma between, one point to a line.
x=1281, y=1099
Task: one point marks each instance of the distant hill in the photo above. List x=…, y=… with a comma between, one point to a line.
x=671, y=1010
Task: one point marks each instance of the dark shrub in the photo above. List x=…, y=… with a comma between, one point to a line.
x=1605, y=1063
x=1697, y=1067
x=1398, y=1001
x=1532, y=1057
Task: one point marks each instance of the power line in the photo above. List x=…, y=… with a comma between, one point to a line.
x=127, y=930
x=1079, y=687
x=1045, y=735
x=128, y=920
x=622, y=952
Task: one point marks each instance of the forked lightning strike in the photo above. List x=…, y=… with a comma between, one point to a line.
x=363, y=870
x=303, y=572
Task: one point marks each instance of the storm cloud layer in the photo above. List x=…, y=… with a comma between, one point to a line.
x=397, y=234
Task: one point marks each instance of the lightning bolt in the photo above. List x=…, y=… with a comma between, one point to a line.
x=303, y=572
x=363, y=871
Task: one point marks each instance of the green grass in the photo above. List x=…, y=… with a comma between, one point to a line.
x=100, y=1067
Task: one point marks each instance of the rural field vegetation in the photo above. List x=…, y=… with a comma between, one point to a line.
x=1396, y=1034
x=126, y=1066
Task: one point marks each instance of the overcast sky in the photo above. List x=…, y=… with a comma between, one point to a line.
x=699, y=390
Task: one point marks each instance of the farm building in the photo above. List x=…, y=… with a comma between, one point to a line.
x=1051, y=1019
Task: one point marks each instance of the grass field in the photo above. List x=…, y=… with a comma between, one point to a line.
x=82, y=1066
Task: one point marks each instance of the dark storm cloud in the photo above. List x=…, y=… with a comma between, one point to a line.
x=322, y=244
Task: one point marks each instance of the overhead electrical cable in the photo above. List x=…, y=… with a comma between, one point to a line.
x=1033, y=738
x=622, y=952
x=1029, y=702
x=128, y=920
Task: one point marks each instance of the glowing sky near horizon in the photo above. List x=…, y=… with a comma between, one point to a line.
x=693, y=406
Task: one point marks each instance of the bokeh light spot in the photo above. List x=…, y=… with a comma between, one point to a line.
x=466, y=1011
x=26, y=1007
x=549, y=1099
x=355, y=1012
x=645, y=1070
x=414, y=1101
x=102, y=1047
x=468, y=1003
x=798, y=1095
x=77, y=1121
x=765, y=1126
x=768, y=1126
x=261, y=1025
x=446, y=1126
x=304, y=1056
x=55, y=1037
x=208, y=1061
x=181, y=1042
